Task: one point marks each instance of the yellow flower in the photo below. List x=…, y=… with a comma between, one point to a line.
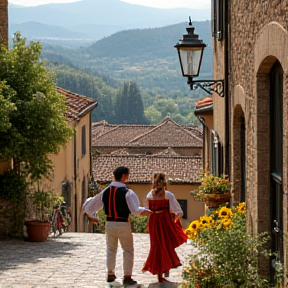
x=241, y=208
x=193, y=229
x=206, y=221
x=226, y=222
x=194, y=225
x=225, y=212
x=191, y=234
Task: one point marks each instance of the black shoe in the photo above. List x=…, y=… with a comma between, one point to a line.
x=129, y=281
x=111, y=278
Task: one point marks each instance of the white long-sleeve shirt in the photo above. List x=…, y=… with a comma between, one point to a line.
x=94, y=204
x=174, y=204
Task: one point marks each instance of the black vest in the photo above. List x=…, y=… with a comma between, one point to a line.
x=115, y=205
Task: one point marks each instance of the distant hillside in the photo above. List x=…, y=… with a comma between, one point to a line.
x=36, y=30
x=145, y=55
x=148, y=44
x=98, y=18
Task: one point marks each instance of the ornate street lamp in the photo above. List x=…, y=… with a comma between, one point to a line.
x=190, y=51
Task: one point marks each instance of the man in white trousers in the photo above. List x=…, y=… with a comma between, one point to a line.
x=118, y=203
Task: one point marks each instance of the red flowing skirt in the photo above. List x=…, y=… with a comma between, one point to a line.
x=165, y=236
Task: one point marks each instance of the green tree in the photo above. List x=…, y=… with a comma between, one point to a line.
x=135, y=105
x=129, y=108
x=153, y=115
x=37, y=127
x=6, y=106
x=166, y=107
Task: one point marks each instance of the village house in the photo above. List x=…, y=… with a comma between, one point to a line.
x=168, y=147
x=72, y=164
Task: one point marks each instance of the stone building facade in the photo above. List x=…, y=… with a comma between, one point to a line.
x=250, y=54
x=4, y=22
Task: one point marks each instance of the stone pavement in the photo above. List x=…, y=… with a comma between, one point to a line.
x=75, y=260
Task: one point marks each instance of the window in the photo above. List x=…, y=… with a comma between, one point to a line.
x=183, y=204
x=216, y=155
x=83, y=139
x=217, y=19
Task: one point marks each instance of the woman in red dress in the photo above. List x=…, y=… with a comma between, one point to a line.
x=165, y=229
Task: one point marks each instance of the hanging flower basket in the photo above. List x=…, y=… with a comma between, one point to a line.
x=216, y=200
x=214, y=190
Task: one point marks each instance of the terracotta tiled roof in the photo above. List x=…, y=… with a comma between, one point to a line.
x=102, y=127
x=78, y=105
x=120, y=152
x=194, y=130
x=117, y=135
x=179, y=170
x=207, y=101
x=166, y=134
x=168, y=153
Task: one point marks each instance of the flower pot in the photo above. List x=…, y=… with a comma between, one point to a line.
x=37, y=231
x=216, y=200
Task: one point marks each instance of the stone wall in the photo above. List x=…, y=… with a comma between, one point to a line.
x=257, y=37
x=4, y=22
x=11, y=220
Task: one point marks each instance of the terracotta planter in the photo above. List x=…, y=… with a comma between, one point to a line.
x=215, y=200
x=37, y=231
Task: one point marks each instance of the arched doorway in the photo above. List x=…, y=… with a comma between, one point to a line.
x=269, y=157
x=276, y=162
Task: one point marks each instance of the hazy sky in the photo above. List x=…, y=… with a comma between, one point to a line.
x=195, y=4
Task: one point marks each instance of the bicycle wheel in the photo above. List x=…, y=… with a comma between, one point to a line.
x=54, y=225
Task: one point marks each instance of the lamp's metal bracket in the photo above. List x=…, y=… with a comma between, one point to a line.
x=208, y=86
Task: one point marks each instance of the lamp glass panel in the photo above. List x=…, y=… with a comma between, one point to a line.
x=190, y=61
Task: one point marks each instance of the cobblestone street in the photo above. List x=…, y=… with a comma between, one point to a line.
x=74, y=260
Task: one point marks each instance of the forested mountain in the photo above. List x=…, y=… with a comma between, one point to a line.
x=146, y=57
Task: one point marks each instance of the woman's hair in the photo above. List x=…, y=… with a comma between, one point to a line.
x=159, y=182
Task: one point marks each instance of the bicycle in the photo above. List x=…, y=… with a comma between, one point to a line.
x=60, y=219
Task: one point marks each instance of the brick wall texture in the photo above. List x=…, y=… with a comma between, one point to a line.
x=4, y=22
x=257, y=37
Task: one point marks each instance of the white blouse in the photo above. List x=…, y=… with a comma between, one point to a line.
x=174, y=204
x=94, y=204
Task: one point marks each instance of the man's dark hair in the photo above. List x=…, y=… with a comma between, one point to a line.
x=119, y=172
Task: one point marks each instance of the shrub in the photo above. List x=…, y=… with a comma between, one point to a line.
x=227, y=254
x=139, y=223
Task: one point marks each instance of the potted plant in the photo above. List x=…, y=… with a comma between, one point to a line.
x=214, y=190
x=40, y=206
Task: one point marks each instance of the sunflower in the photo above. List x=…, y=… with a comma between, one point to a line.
x=191, y=234
x=193, y=229
x=241, y=208
x=225, y=212
x=226, y=222
x=194, y=226
x=206, y=221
